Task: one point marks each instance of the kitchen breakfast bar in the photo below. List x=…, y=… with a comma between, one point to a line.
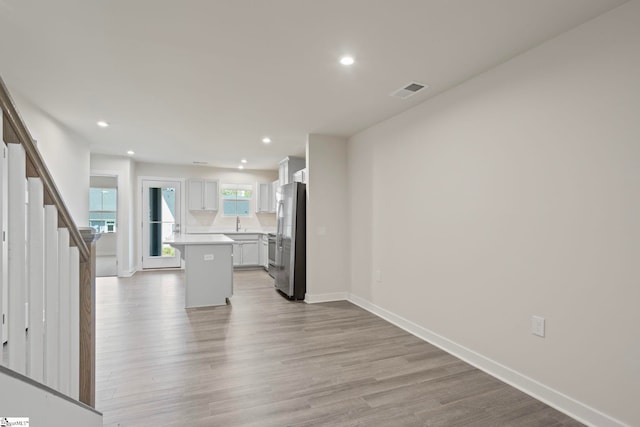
x=208, y=268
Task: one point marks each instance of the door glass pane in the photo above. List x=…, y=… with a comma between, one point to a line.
x=162, y=204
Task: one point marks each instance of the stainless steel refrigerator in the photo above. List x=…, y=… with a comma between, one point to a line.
x=291, y=241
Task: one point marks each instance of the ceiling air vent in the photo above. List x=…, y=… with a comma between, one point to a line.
x=408, y=90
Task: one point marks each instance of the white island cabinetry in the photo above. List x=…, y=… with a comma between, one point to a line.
x=208, y=268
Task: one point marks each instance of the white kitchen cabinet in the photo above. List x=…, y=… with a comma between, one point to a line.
x=203, y=195
x=288, y=167
x=275, y=187
x=264, y=251
x=246, y=249
x=266, y=201
x=250, y=253
x=300, y=176
x=263, y=197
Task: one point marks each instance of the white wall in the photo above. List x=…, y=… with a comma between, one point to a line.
x=517, y=193
x=203, y=222
x=327, y=219
x=66, y=155
x=124, y=169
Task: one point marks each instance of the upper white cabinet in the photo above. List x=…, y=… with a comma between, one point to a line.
x=275, y=187
x=203, y=195
x=300, y=176
x=266, y=200
x=288, y=167
x=263, y=197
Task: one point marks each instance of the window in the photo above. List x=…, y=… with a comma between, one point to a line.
x=103, y=209
x=236, y=199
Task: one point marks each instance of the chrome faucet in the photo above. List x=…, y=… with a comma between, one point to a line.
x=237, y=223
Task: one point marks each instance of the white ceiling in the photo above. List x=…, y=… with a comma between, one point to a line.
x=205, y=80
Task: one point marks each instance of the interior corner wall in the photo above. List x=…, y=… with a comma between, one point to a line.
x=124, y=169
x=327, y=219
x=516, y=194
x=65, y=154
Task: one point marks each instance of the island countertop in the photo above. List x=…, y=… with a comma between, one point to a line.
x=198, y=239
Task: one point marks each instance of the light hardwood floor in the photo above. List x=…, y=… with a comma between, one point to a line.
x=265, y=361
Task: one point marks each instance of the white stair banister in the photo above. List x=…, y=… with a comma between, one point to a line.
x=74, y=358
x=51, y=310
x=35, y=244
x=60, y=306
x=64, y=310
x=17, y=258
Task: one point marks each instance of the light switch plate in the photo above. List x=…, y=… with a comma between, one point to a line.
x=537, y=326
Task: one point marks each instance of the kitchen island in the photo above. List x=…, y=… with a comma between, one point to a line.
x=208, y=262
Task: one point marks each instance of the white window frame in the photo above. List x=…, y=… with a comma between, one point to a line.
x=244, y=187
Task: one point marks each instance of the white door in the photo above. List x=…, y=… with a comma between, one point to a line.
x=160, y=219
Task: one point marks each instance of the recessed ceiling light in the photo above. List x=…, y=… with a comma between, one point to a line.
x=240, y=167
x=243, y=161
x=347, y=60
x=102, y=124
x=131, y=152
x=266, y=140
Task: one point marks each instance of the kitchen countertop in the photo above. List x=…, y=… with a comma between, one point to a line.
x=249, y=231
x=199, y=239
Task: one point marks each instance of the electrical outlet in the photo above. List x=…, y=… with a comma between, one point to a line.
x=537, y=326
x=378, y=276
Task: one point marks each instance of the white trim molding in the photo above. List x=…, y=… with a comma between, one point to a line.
x=127, y=273
x=333, y=296
x=553, y=398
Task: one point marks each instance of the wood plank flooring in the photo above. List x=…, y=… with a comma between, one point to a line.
x=264, y=361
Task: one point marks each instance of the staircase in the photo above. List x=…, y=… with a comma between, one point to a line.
x=47, y=268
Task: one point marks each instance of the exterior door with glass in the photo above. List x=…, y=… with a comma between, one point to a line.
x=160, y=219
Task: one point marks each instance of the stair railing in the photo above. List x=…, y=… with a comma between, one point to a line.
x=48, y=270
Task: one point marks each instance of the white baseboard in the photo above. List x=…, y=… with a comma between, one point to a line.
x=334, y=296
x=127, y=273
x=553, y=398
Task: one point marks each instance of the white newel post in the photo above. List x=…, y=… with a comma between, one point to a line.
x=35, y=337
x=16, y=235
x=51, y=310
